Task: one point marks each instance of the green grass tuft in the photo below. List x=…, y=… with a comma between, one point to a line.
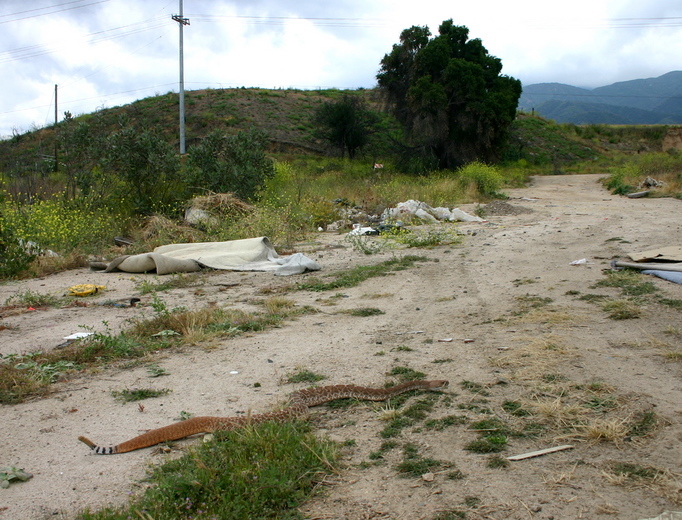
x=257, y=472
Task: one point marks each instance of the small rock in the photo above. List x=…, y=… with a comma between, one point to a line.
x=428, y=477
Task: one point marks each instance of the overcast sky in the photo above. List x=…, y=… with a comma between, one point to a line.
x=105, y=53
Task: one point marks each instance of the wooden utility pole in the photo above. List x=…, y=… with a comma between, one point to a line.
x=56, y=143
x=182, y=22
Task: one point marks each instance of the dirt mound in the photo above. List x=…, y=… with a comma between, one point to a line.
x=500, y=208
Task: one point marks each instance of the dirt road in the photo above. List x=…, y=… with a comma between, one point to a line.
x=500, y=315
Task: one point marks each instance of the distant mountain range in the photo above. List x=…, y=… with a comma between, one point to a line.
x=636, y=102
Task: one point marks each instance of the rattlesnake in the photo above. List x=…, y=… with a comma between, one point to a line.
x=299, y=404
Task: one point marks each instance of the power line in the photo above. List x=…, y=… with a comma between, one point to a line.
x=51, y=12
x=33, y=51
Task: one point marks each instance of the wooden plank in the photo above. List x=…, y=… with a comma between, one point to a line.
x=538, y=453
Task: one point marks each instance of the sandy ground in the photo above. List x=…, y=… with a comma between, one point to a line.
x=471, y=293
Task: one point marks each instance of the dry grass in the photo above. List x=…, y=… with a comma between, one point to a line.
x=622, y=309
x=554, y=317
x=557, y=412
x=225, y=205
x=539, y=356
x=606, y=430
x=562, y=478
x=158, y=230
x=661, y=481
x=278, y=305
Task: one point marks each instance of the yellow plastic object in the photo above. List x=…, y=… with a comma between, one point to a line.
x=85, y=289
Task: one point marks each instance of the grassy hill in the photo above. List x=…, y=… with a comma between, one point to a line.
x=286, y=116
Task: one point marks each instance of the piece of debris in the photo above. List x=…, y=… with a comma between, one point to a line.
x=85, y=289
x=538, y=453
x=362, y=230
x=650, y=182
x=445, y=340
x=123, y=241
x=421, y=210
x=639, y=194
x=73, y=337
x=428, y=477
x=127, y=302
x=582, y=261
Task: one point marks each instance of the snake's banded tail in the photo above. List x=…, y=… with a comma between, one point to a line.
x=98, y=449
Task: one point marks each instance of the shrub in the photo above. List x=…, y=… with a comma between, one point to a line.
x=486, y=179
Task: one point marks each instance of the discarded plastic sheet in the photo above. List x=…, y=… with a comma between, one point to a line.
x=78, y=335
x=671, y=276
x=582, y=261
x=445, y=340
x=538, y=453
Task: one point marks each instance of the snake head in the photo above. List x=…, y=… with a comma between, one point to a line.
x=438, y=384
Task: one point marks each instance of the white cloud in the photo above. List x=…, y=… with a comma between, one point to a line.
x=584, y=43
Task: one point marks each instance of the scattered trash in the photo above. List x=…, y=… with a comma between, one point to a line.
x=78, y=335
x=638, y=195
x=538, y=453
x=131, y=302
x=650, y=182
x=445, y=340
x=468, y=340
x=234, y=372
x=661, y=254
x=664, y=262
x=582, y=261
x=164, y=333
x=10, y=474
x=359, y=230
x=85, y=289
x=123, y=241
x=415, y=208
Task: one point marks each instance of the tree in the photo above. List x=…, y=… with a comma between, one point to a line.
x=147, y=165
x=347, y=124
x=231, y=163
x=449, y=94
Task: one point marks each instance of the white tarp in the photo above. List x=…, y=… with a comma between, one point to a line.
x=251, y=254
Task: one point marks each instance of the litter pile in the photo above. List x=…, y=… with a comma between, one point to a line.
x=665, y=263
x=421, y=210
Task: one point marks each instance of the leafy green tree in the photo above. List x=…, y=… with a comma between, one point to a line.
x=449, y=94
x=148, y=166
x=230, y=163
x=347, y=124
